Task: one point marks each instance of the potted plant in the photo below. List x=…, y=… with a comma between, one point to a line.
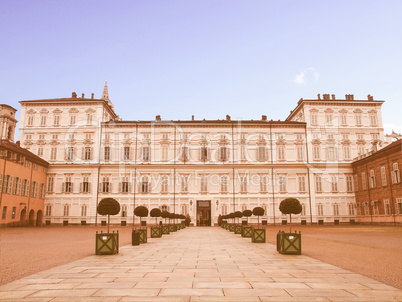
x=156, y=231
x=258, y=235
x=232, y=225
x=289, y=243
x=247, y=230
x=187, y=220
x=238, y=229
x=107, y=243
x=141, y=212
x=165, y=227
x=172, y=226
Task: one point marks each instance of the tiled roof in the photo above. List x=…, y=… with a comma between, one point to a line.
x=6, y=144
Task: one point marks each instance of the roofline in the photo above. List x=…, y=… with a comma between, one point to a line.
x=6, y=105
x=198, y=122
x=379, y=152
x=28, y=154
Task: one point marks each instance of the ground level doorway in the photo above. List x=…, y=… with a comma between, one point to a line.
x=203, y=213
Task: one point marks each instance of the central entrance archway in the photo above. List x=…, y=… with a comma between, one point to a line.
x=203, y=213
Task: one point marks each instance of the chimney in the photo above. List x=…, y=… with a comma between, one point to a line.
x=319, y=96
x=227, y=117
x=158, y=118
x=333, y=97
x=92, y=95
x=264, y=117
x=83, y=95
x=370, y=98
x=192, y=117
x=74, y=95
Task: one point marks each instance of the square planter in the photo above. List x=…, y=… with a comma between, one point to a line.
x=143, y=235
x=258, y=236
x=232, y=227
x=135, y=237
x=247, y=231
x=288, y=243
x=172, y=228
x=165, y=229
x=156, y=232
x=107, y=243
x=237, y=229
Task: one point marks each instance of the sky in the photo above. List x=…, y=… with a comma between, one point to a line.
x=207, y=58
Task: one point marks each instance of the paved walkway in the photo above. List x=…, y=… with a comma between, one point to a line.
x=198, y=264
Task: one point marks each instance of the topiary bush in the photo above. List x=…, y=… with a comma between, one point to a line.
x=108, y=206
x=290, y=206
x=165, y=215
x=155, y=213
x=141, y=211
x=238, y=215
x=258, y=211
x=188, y=220
x=247, y=214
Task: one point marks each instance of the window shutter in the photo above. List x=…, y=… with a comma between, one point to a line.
x=10, y=185
x=63, y=187
x=19, y=186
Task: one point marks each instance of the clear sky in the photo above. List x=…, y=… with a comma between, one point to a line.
x=206, y=58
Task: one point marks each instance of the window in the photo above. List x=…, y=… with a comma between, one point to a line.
x=242, y=152
x=3, y=216
x=300, y=156
x=13, y=212
x=398, y=205
x=53, y=153
x=123, y=211
x=364, y=184
x=316, y=152
x=89, y=119
x=375, y=208
x=243, y=183
x=383, y=176
x=349, y=183
x=105, y=186
x=396, y=176
x=223, y=153
x=68, y=185
x=282, y=183
x=360, y=149
x=264, y=207
x=73, y=119
x=261, y=153
x=125, y=185
x=184, y=183
x=165, y=208
x=107, y=153
x=281, y=153
x=373, y=119
x=366, y=210
x=387, y=207
x=7, y=184
x=164, y=184
x=224, y=209
x=165, y=152
x=351, y=208
x=329, y=118
x=344, y=119
x=318, y=183
x=263, y=183
x=372, y=179
x=302, y=183
x=335, y=207
x=84, y=210
x=48, y=210
x=346, y=152
x=144, y=184
x=303, y=212
x=334, y=183
x=30, y=120
x=56, y=120
x=224, y=183
x=15, y=185
x=66, y=210
x=126, y=153
x=50, y=183
x=25, y=187
x=146, y=156
x=356, y=183
x=331, y=153
x=42, y=191
x=40, y=151
x=43, y=120
x=88, y=153
x=85, y=184
x=204, y=183
x=314, y=118
x=34, y=188
x=70, y=153
x=358, y=119
x=184, y=209
x=320, y=210
x=184, y=154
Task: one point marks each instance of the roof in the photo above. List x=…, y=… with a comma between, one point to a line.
x=389, y=148
x=6, y=144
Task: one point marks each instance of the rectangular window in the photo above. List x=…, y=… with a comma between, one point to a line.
x=68, y=185
x=316, y=152
x=344, y=119
x=351, y=208
x=263, y=183
x=329, y=118
x=56, y=120
x=373, y=119
x=125, y=185
x=66, y=210
x=34, y=189
x=73, y=119
x=89, y=119
x=84, y=210
x=165, y=152
x=300, y=155
x=346, y=152
x=50, y=183
x=48, y=210
x=204, y=183
x=144, y=185
x=105, y=184
x=331, y=153
x=70, y=153
x=302, y=183
x=42, y=191
x=387, y=207
x=53, y=153
x=164, y=184
x=107, y=153
x=320, y=210
x=40, y=151
x=396, y=176
x=123, y=211
x=184, y=183
x=314, y=118
x=281, y=153
x=13, y=212
x=25, y=187
x=146, y=154
x=126, y=153
x=303, y=212
x=336, y=209
x=184, y=209
x=398, y=206
x=373, y=182
x=85, y=184
x=261, y=155
x=184, y=154
x=43, y=120
x=224, y=183
x=223, y=153
x=3, y=216
x=364, y=184
x=87, y=153
x=358, y=119
x=349, y=183
x=204, y=153
x=282, y=183
x=334, y=183
x=30, y=120
x=383, y=176
x=243, y=183
x=15, y=185
x=318, y=183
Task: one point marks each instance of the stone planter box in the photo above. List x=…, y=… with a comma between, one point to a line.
x=172, y=228
x=135, y=237
x=107, y=243
x=288, y=243
x=156, y=232
x=247, y=231
x=165, y=229
x=143, y=235
x=258, y=236
x=237, y=229
x=231, y=227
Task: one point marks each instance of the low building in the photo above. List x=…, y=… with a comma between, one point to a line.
x=378, y=185
x=22, y=177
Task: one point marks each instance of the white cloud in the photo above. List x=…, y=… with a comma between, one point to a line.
x=307, y=76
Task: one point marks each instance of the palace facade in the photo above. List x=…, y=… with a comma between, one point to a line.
x=200, y=167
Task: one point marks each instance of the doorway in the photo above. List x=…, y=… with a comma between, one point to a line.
x=203, y=213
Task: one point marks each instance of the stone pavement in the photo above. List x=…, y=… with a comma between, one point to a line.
x=198, y=264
